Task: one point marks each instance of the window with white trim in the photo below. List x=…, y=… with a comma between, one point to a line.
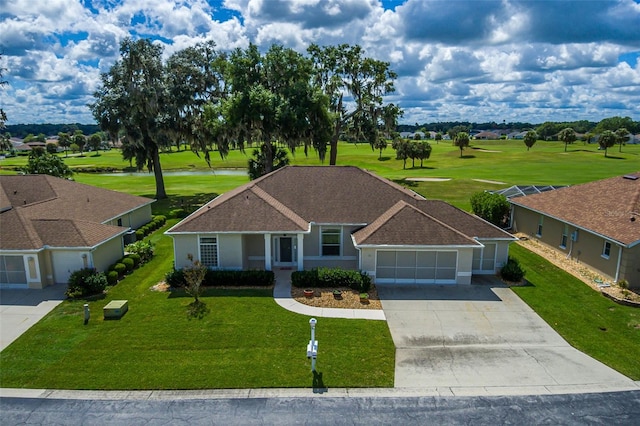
x=565, y=235
x=209, y=251
x=606, y=250
x=539, y=231
x=331, y=241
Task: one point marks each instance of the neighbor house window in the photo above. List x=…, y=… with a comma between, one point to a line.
x=565, y=235
x=606, y=250
x=209, y=251
x=539, y=231
x=331, y=238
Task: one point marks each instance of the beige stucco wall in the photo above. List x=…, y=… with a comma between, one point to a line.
x=587, y=249
x=630, y=266
x=107, y=253
x=135, y=218
x=184, y=245
x=230, y=251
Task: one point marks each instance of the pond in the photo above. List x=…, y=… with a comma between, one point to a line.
x=212, y=172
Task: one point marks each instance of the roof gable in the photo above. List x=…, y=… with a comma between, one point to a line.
x=246, y=209
x=406, y=225
x=45, y=210
x=609, y=207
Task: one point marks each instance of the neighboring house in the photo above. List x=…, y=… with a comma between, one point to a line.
x=338, y=216
x=50, y=227
x=595, y=223
x=486, y=136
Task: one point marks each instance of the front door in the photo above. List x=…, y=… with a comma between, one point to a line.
x=285, y=251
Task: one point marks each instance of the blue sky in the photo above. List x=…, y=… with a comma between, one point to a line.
x=457, y=60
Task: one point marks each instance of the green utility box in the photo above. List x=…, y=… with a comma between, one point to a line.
x=115, y=309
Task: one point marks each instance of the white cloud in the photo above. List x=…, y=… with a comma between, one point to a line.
x=456, y=60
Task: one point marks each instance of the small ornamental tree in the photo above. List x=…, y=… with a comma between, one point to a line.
x=530, y=138
x=461, y=141
x=493, y=208
x=567, y=136
x=257, y=165
x=193, y=277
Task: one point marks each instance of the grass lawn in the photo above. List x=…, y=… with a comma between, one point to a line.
x=245, y=340
x=589, y=321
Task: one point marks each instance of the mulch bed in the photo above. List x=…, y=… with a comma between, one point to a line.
x=350, y=299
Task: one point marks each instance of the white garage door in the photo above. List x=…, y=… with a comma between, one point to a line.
x=416, y=267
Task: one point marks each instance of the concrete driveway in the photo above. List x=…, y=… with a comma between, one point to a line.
x=483, y=336
x=22, y=308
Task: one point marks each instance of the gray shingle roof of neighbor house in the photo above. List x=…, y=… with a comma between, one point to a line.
x=292, y=198
x=609, y=207
x=39, y=210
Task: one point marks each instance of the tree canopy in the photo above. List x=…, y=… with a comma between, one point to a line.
x=41, y=162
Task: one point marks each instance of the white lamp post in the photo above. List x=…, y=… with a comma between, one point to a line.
x=312, y=347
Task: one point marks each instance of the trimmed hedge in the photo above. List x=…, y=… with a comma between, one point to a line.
x=112, y=277
x=332, y=277
x=136, y=259
x=120, y=268
x=219, y=278
x=129, y=263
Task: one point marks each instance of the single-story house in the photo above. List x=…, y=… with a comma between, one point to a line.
x=486, y=136
x=51, y=227
x=301, y=217
x=596, y=223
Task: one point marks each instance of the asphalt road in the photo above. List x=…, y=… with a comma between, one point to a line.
x=619, y=408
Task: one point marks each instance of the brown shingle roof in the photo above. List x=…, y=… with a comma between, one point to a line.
x=292, y=198
x=609, y=207
x=406, y=225
x=469, y=224
x=42, y=210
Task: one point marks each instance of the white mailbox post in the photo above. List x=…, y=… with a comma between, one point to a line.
x=312, y=347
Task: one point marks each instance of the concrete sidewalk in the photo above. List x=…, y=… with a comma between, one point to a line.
x=20, y=309
x=282, y=296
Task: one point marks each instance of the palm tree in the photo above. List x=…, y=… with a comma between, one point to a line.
x=606, y=140
x=461, y=141
x=530, y=138
x=567, y=136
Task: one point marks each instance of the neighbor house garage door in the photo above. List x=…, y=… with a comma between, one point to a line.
x=416, y=267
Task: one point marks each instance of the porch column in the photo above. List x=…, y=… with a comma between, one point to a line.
x=267, y=252
x=300, y=252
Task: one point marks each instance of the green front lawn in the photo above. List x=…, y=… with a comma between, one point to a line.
x=589, y=321
x=245, y=341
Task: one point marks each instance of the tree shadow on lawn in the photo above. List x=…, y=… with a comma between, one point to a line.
x=468, y=156
x=405, y=182
x=613, y=157
x=185, y=204
x=384, y=158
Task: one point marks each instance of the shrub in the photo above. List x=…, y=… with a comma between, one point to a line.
x=332, y=277
x=139, y=235
x=175, y=278
x=112, y=277
x=86, y=282
x=512, y=271
x=493, y=208
x=136, y=259
x=120, y=268
x=160, y=219
x=142, y=248
x=128, y=263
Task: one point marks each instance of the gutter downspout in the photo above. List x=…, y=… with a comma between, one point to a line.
x=619, y=263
